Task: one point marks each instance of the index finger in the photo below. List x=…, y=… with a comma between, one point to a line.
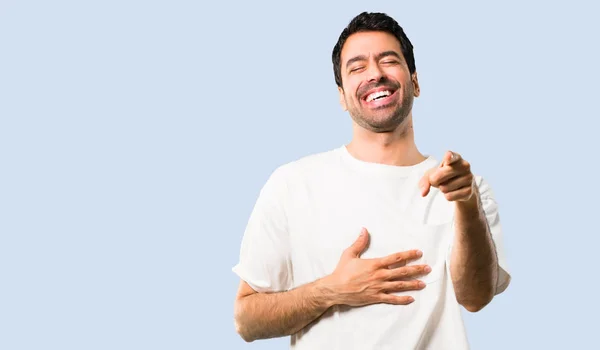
x=396, y=258
x=450, y=158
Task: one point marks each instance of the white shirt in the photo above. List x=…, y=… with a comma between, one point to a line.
x=313, y=208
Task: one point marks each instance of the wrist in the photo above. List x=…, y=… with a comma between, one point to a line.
x=471, y=205
x=324, y=292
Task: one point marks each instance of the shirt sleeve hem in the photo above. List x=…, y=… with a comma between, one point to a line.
x=254, y=283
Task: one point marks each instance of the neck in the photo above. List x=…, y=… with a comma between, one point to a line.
x=391, y=148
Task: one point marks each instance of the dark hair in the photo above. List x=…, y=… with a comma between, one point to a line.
x=373, y=21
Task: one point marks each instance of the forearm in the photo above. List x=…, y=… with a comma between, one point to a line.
x=474, y=264
x=270, y=315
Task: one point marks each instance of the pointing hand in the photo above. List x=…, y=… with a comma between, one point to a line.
x=453, y=178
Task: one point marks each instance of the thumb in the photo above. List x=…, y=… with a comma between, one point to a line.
x=424, y=183
x=357, y=248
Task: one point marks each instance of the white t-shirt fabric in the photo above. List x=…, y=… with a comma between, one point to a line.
x=313, y=208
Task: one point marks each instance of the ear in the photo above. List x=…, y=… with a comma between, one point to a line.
x=415, y=81
x=342, y=99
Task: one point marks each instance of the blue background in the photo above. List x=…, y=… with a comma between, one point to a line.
x=135, y=136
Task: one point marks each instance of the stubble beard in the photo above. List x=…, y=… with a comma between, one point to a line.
x=380, y=123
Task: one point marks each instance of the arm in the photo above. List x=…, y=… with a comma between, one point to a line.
x=473, y=262
x=266, y=305
x=355, y=282
x=270, y=315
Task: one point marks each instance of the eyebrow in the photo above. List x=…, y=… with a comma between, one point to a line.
x=377, y=57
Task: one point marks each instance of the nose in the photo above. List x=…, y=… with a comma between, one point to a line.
x=374, y=73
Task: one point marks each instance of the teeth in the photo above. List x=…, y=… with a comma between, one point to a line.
x=378, y=94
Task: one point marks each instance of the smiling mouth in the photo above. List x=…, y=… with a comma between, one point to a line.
x=378, y=95
x=381, y=98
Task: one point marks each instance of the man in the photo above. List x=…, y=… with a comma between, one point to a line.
x=372, y=245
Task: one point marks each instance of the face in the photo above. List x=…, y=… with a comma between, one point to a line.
x=377, y=87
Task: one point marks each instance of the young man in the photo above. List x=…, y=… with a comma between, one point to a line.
x=372, y=245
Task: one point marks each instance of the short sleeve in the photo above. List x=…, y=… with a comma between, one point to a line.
x=264, y=260
x=490, y=208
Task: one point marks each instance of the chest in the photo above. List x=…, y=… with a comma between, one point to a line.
x=327, y=217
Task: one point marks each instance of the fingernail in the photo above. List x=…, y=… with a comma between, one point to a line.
x=427, y=269
x=421, y=284
x=419, y=253
x=411, y=299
